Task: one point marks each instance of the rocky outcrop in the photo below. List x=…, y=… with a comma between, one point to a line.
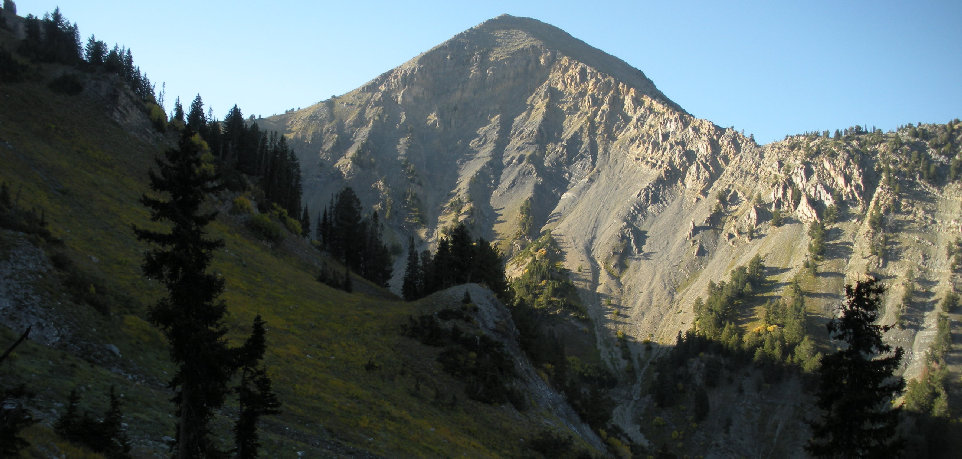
x=495, y=321
x=21, y=306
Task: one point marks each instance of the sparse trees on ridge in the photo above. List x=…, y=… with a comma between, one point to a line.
x=51, y=39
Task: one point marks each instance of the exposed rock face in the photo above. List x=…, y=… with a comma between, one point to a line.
x=20, y=305
x=515, y=109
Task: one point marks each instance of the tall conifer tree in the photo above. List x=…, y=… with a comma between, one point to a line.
x=857, y=383
x=411, y=289
x=196, y=119
x=191, y=315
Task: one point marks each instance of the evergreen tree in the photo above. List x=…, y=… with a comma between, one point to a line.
x=106, y=436
x=116, y=443
x=281, y=175
x=488, y=268
x=248, y=151
x=425, y=274
x=127, y=69
x=321, y=229
x=31, y=28
x=292, y=197
x=196, y=119
x=411, y=288
x=191, y=315
x=346, y=235
x=114, y=63
x=213, y=135
x=68, y=418
x=53, y=39
x=95, y=52
x=857, y=386
x=234, y=131
x=178, y=114
x=355, y=240
x=347, y=286
x=306, y=222
x=458, y=260
x=61, y=39
x=256, y=398
x=378, y=263
x=462, y=255
x=776, y=217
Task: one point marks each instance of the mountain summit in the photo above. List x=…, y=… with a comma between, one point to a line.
x=505, y=35
x=510, y=99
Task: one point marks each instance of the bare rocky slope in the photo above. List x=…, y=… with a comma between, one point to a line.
x=649, y=203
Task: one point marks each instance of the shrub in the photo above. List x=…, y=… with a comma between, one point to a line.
x=157, y=117
x=954, y=252
x=290, y=223
x=951, y=302
x=875, y=219
x=831, y=214
x=810, y=266
x=777, y=218
x=293, y=226
x=927, y=394
x=265, y=228
x=525, y=220
x=816, y=230
x=333, y=279
x=241, y=205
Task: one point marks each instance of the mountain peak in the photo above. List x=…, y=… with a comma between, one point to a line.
x=506, y=34
x=508, y=21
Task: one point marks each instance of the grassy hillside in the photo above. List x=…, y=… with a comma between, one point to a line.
x=348, y=380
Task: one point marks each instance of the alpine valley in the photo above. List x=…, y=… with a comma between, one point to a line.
x=669, y=280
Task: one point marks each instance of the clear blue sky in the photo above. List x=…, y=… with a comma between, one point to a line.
x=769, y=68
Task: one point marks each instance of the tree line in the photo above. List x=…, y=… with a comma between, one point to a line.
x=53, y=39
x=355, y=240
x=243, y=151
x=239, y=146
x=458, y=259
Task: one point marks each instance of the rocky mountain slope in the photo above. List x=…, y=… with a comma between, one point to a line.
x=648, y=203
